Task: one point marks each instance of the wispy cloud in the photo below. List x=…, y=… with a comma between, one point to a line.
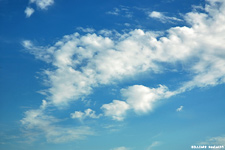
x=120, y=148
x=214, y=141
x=161, y=17
x=115, y=11
x=180, y=108
x=88, y=113
x=89, y=30
x=121, y=11
x=154, y=144
x=37, y=122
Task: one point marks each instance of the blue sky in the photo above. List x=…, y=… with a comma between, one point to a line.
x=112, y=75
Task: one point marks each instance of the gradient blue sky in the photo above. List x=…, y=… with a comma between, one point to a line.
x=111, y=75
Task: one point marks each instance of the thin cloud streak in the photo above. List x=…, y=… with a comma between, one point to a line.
x=161, y=17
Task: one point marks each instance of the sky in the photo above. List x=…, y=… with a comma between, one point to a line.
x=112, y=75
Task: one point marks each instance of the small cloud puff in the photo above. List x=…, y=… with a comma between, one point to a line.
x=180, y=108
x=29, y=11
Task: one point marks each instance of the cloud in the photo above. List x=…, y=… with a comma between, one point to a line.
x=160, y=16
x=138, y=98
x=154, y=144
x=121, y=11
x=120, y=148
x=214, y=141
x=219, y=140
x=36, y=123
x=80, y=63
x=142, y=99
x=179, y=109
x=29, y=11
x=117, y=109
x=84, y=62
x=41, y=4
x=114, y=12
x=38, y=51
x=82, y=115
x=90, y=30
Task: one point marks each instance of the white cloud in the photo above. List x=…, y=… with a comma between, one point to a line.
x=38, y=51
x=116, y=12
x=154, y=144
x=90, y=30
x=82, y=115
x=36, y=121
x=162, y=17
x=142, y=99
x=42, y=4
x=27, y=44
x=120, y=148
x=29, y=11
x=83, y=62
x=127, y=24
x=117, y=109
x=138, y=98
x=156, y=14
x=180, y=108
x=121, y=11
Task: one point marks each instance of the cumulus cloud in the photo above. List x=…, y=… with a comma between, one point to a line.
x=29, y=11
x=138, y=98
x=142, y=98
x=160, y=16
x=117, y=109
x=83, y=62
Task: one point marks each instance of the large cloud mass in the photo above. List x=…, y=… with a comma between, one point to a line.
x=83, y=62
